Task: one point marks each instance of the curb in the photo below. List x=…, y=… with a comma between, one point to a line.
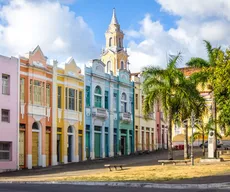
x=131, y=184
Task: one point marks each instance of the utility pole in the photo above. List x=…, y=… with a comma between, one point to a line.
x=193, y=123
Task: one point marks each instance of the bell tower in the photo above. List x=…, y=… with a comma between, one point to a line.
x=114, y=55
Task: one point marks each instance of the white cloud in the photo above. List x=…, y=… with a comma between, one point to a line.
x=198, y=20
x=58, y=31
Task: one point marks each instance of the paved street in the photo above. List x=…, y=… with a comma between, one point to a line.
x=72, y=188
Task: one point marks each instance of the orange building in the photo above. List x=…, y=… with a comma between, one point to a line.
x=35, y=110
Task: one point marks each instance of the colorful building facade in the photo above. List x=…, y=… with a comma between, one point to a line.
x=68, y=113
x=109, y=99
x=9, y=110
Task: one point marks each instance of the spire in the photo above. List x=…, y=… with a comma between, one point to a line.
x=114, y=18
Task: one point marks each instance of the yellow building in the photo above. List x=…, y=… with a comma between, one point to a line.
x=145, y=130
x=114, y=55
x=68, y=102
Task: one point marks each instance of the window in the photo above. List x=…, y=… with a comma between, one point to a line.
x=48, y=95
x=142, y=99
x=38, y=87
x=131, y=104
x=5, y=115
x=97, y=97
x=22, y=90
x=120, y=42
x=136, y=101
x=66, y=98
x=123, y=103
x=59, y=97
x=87, y=96
x=71, y=99
x=106, y=99
x=5, y=84
x=108, y=66
x=5, y=151
x=110, y=41
x=122, y=64
x=76, y=100
x=80, y=101
x=115, y=101
x=31, y=91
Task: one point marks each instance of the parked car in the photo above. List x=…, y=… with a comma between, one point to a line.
x=206, y=144
x=225, y=146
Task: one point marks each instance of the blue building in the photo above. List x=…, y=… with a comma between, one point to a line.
x=109, y=112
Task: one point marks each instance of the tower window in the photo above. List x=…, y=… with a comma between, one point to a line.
x=122, y=64
x=120, y=42
x=108, y=66
x=110, y=41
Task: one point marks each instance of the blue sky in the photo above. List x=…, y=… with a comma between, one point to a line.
x=97, y=13
x=153, y=28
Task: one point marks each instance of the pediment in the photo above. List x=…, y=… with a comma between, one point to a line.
x=71, y=68
x=37, y=58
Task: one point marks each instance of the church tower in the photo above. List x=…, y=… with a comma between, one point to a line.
x=114, y=55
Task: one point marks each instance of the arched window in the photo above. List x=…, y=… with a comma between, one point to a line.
x=108, y=66
x=70, y=129
x=122, y=64
x=120, y=42
x=35, y=126
x=110, y=41
x=123, y=102
x=97, y=97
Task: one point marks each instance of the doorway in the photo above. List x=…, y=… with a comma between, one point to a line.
x=70, y=145
x=123, y=145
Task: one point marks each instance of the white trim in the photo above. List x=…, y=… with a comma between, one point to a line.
x=70, y=84
x=35, y=75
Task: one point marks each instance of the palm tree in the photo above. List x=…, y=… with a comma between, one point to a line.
x=203, y=130
x=167, y=87
x=191, y=101
x=205, y=74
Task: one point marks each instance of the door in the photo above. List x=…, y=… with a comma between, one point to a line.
x=106, y=145
x=143, y=140
x=70, y=138
x=123, y=145
x=115, y=144
x=80, y=148
x=22, y=148
x=136, y=140
x=131, y=144
x=87, y=139
x=153, y=147
x=47, y=149
x=58, y=148
x=147, y=141
x=35, y=142
x=97, y=145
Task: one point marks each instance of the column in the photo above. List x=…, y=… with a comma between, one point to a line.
x=28, y=140
x=65, y=142
x=54, y=116
x=76, y=152
x=111, y=123
x=103, y=141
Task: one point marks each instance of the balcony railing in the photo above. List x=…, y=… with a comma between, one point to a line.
x=72, y=115
x=126, y=117
x=100, y=113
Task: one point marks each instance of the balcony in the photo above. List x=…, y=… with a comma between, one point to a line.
x=38, y=111
x=72, y=115
x=126, y=117
x=100, y=113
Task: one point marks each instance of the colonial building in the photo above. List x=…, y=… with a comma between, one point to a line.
x=150, y=133
x=35, y=110
x=68, y=113
x=9, y=110
x=109, y=99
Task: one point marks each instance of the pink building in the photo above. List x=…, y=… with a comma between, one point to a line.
x=9, y=110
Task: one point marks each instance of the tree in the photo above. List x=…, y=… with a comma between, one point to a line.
x=203, y=130
x=205, y=75
x=191, y=101
x=222, y=88
x=168, y=87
